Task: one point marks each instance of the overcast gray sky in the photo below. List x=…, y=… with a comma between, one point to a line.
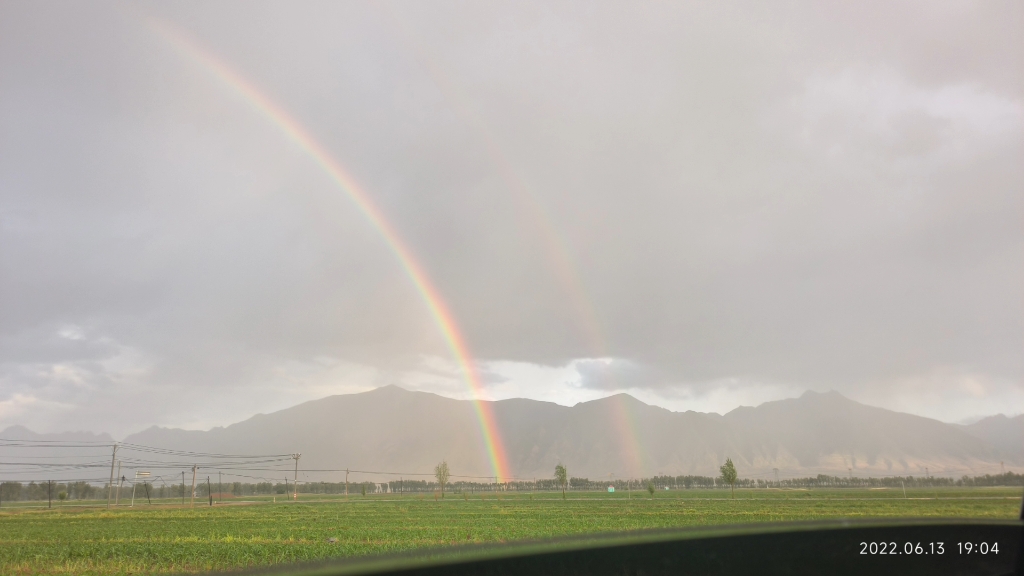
x=705, y=205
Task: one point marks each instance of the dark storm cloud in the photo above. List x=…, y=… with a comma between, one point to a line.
x=816, y=196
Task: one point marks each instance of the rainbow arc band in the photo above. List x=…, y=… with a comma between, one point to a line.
x=436, y=305
x=557, y=250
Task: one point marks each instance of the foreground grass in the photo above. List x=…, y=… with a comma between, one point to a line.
x=166, y=538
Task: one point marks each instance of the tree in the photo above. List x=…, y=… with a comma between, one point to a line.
x=62, y=496
x=650, y=488
x=729, y=475
x=562, y=477
x=442, y=473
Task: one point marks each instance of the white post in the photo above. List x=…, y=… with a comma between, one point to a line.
x=135, y=483
x=192, y=501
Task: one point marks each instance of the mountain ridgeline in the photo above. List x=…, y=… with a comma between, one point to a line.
x=394, y=430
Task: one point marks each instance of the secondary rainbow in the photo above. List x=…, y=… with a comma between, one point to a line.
x=559, y=256
x=436, y=305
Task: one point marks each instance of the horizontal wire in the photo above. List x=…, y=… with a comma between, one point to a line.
x=11, y=443
x=237, y=462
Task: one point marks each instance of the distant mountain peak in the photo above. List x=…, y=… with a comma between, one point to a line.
x=621, y=397
x=993, y=418
x=16, y=429
x=388, y=389
x=826, y=394
x=19, y=432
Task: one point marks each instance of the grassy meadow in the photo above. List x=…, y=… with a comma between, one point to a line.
x=165, y=537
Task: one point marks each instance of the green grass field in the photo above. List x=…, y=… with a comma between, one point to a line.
x=164, y=537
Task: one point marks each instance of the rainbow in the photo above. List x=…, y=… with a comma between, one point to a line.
x=625, y=424
x=559, y=256
x=438, y=309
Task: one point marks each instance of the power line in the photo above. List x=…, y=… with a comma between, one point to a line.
x=10, y=443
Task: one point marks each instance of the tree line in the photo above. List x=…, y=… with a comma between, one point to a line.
x=12, y=491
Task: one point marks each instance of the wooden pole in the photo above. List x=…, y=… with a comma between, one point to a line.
x=120, y=479
x=110, y=486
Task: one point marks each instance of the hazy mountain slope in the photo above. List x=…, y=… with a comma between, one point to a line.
x=1006, y=435
x=622, y=436
x=394, y=430
x=67, y=456
x=830, y=431
x=22, y=433
x=387, y=429
x=390, y=429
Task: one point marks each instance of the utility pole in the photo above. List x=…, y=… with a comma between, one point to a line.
x=295, y=481
x=851, y=476
x=110, y=486
x=182, y=487
x=1002, y=469
x=120, y=480
x=346, y=482
x=776, y=475
x=209, y=491
x=220, y=488
x=192, y=500
x=49, y=494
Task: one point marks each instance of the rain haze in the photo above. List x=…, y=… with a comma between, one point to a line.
x=702, y=205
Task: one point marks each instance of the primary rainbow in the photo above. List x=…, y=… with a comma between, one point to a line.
x=558, y=253
x=438, y=309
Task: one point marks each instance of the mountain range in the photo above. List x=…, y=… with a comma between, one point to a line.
x=392, y=430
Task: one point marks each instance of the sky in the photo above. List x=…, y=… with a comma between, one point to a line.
x=702, y=205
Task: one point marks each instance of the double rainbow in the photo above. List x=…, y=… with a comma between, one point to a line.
x=559, y=256
x=438, y=309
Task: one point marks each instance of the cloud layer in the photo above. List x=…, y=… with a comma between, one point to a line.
x=703, y=205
